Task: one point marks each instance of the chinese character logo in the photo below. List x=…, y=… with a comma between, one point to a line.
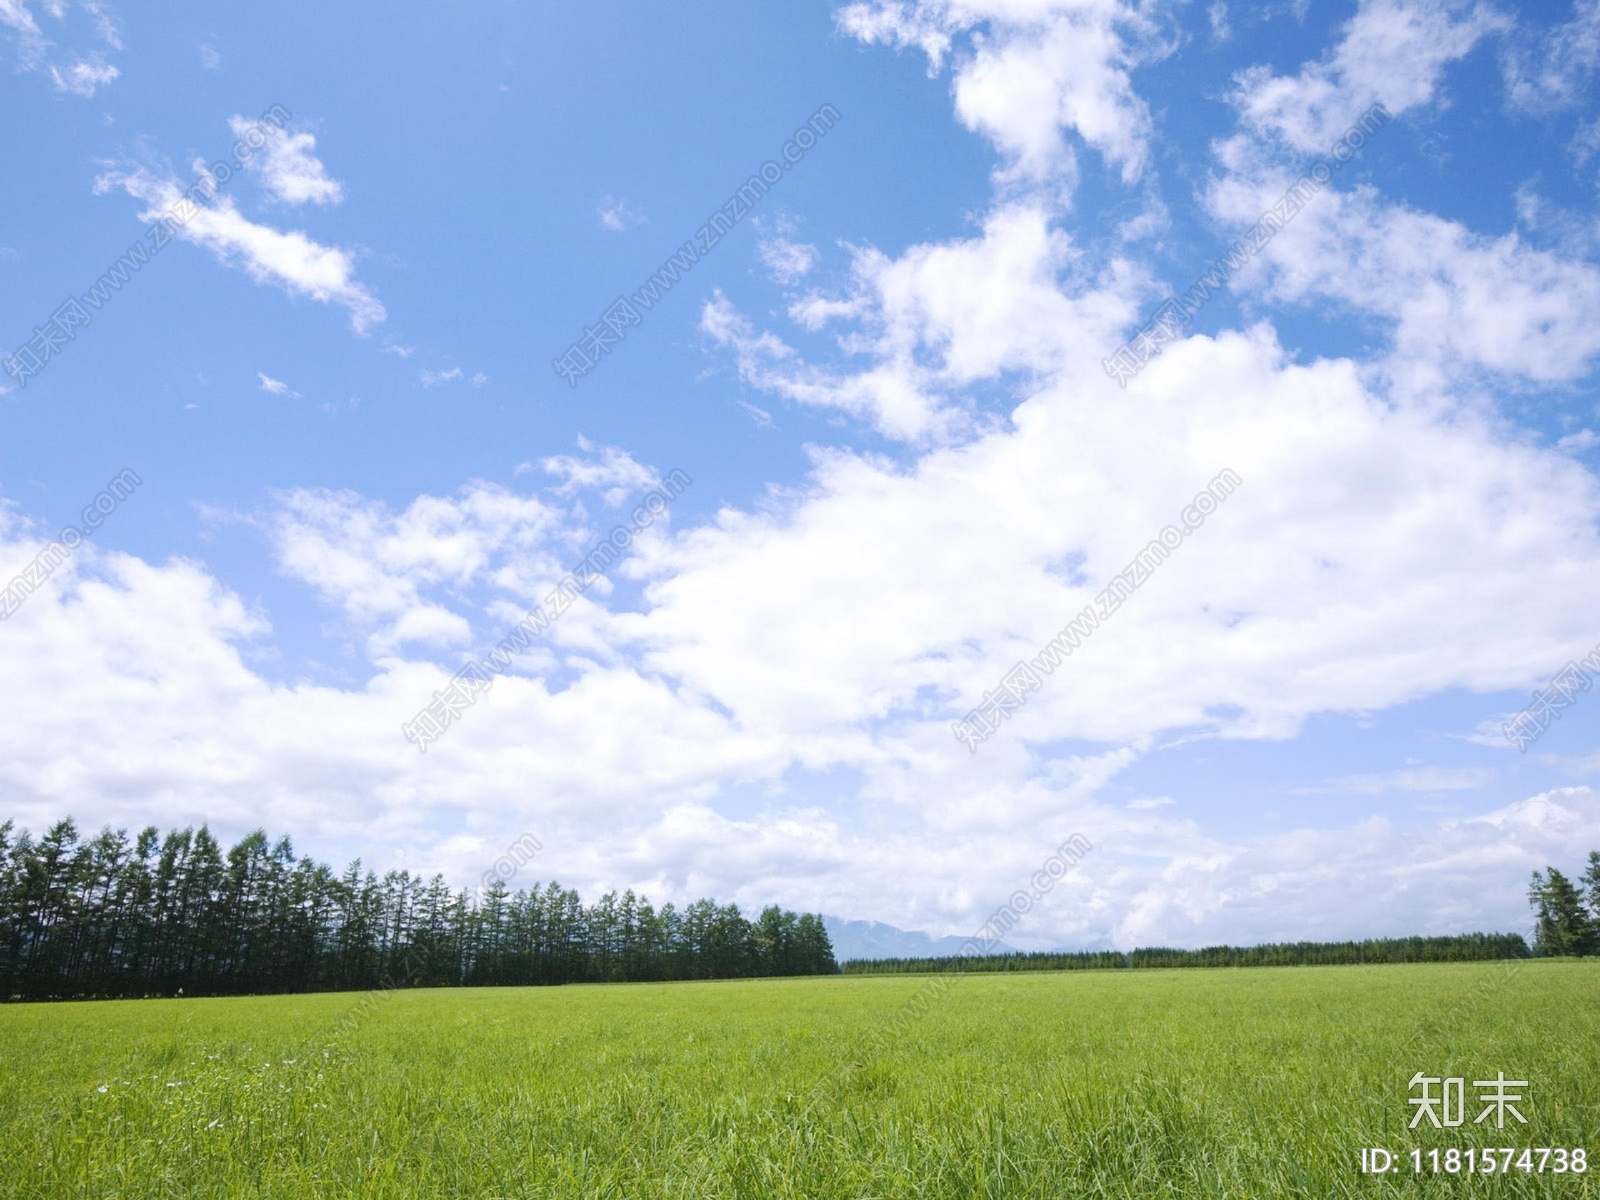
x=1447, y=1107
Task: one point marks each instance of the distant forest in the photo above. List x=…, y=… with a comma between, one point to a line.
x=151, y=916
x=1472, y=947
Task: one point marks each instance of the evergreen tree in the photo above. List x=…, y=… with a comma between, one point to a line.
x=1562, y=925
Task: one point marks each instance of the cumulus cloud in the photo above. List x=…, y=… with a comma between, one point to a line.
x=1036, y=68
x=1375, y=554
x=624, y=769
x=940, y=318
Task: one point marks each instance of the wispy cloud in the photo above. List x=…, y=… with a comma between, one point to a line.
x=1147, y=803
x=615, y=471
x=85, y=72
x=431, y=379
x=276, y=386
x=290, y=260
x=1416, y=779
x=787, y=261
x=85, y=76
x=618, y=215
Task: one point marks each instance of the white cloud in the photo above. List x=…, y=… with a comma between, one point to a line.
x=1410, y=779
x=617, y=215
x=292, y=261
x=1582, y=440
x=1457, y=302
x=276, y=386
x=432, y=379
x=85, y=76
x=1036, y=68
x=14, y=14
x=1392, y=52
x=787, y=261
x=84, y=72
x=210, y=57
x=759, y=415
x=1147, y=803
x=1217, y=14
x=615, y=471
x=1554, y=72
x=1452, y=298
x=1375, y=876
x=287, y=167
x=941, y=317
x=375, y=565
x=621, y=773
x=1376, y=553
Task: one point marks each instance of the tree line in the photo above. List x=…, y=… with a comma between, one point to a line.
x=1471, y=947
x=152, y=916
x=1565, y=919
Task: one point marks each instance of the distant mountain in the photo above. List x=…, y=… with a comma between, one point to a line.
x=874, y=939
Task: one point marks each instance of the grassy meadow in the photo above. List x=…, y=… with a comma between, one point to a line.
x=1194, y=1083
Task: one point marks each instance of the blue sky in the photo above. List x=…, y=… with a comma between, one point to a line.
x=909, y=466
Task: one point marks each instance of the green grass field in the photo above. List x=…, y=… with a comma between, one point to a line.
x=1239, y=1083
